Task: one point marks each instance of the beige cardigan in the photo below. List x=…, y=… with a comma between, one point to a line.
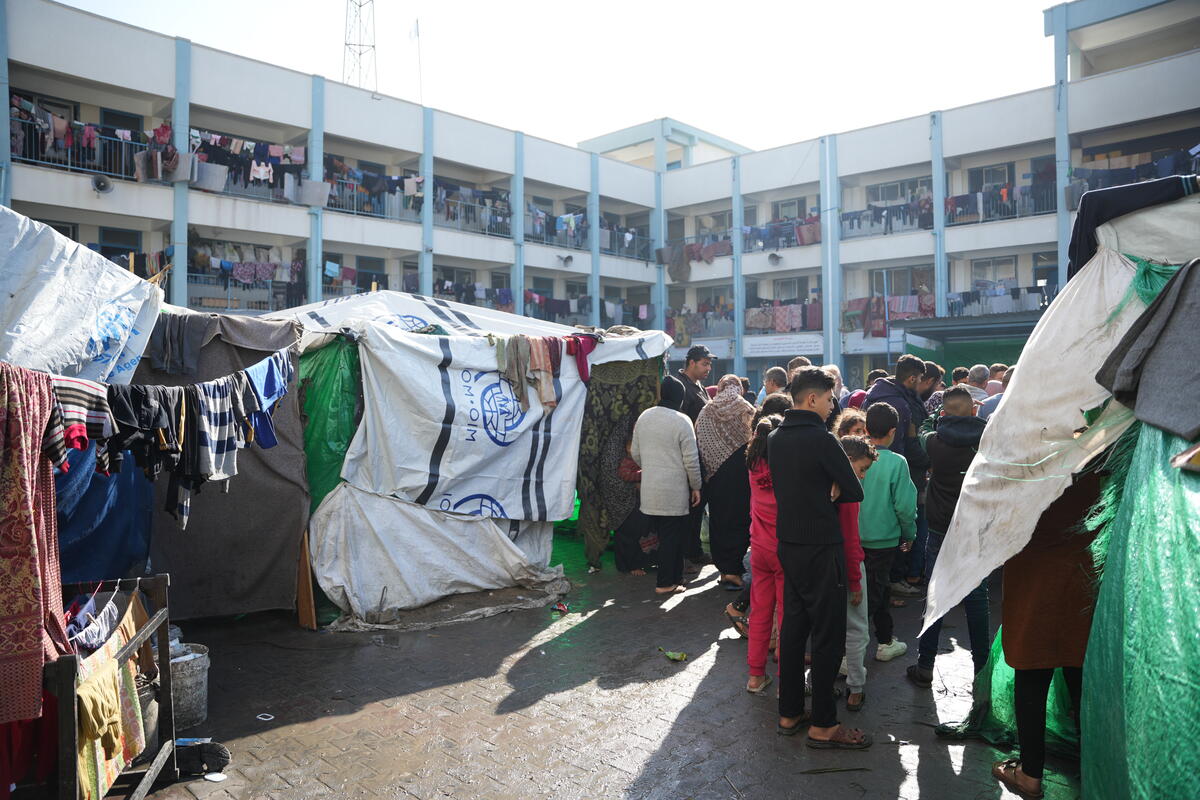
x=664, y=446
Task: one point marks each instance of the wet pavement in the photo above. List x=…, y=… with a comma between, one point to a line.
x=531, y=704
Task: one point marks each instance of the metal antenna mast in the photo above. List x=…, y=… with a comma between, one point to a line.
x=358, y=59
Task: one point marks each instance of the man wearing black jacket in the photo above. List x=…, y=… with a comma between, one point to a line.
x=810, y=473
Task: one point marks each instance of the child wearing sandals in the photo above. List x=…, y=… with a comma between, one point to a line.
x=862, y=455
x=766, y=587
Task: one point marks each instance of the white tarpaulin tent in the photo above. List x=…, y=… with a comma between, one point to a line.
x=1029, y=451
x=445, y=460
x=68, y=309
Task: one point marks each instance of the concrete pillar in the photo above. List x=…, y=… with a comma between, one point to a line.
x=831, y=268
x=593, y=215
x=425, y=264
x=6, y=145
x=1062, y=139
x=941, y=268
x=316, y=172
x=739, y=285
x=516, y=277
x=180, y=122
x=658, y=233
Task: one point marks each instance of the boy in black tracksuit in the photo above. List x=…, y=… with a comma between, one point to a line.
x=810, y=473
x=951, y=447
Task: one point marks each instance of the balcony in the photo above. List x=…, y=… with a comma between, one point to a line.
x=87, y=151
x=209, y=291
x=986, y=302
x=782, y=234
x=882, y=220
x=354, y=198
x=703, y=247
x=1000, y=203
x=488, y=220
x=873, y=315
x=626, y=244
x=542, y=228
x=789, y=318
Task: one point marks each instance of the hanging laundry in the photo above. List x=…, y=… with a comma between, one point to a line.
x=516, y=358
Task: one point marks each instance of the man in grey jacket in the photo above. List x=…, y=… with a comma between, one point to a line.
x=664, y=446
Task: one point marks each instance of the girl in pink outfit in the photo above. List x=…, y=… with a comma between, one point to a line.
x=766, y=585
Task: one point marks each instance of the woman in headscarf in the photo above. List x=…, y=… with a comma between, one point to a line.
x=722, y=431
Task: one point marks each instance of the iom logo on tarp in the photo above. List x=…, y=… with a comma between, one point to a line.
x=502, y=414
x=480, y=505
x=407, y=322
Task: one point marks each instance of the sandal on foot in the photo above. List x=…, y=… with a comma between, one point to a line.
x=842, y=739
x=1006, y=772
x=801, y=722
x=852, y=706
x=762, y=687
x=739, y=622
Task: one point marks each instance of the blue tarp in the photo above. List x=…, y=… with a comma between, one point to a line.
x=103, y=521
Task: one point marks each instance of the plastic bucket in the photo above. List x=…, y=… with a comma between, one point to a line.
x=189, y=686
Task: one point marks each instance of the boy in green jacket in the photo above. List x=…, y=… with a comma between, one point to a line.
x=887, y=522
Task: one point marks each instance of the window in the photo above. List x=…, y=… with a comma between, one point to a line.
x=613, y=292
x=371, y=166
x=1045, y=269
x=371, y=270
x=675, y=229
x=544, y=203
x=64, y=108
x=717, y=223
x=674, y=165
x=67, y=229
x=543, y=286
x=985, y=176
x=985, y=272
x=613, y=220
x=788, y=209
x=120, y=119
x=454, y=275
x=900, y=281
x=715, y=295
x=118, y=242
x=750, y=215
x=751, y=291
x=500, y=280
x=897, y=191
x=675, y=297
x=791, y=288
x=639, y=222
x=638, y=295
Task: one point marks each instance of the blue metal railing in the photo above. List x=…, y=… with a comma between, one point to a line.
x=350, y=198
x=103, y=155
x=473, y=218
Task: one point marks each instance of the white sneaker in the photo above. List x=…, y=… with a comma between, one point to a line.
x=893, y=649
x=906, y=589
x=843, y=670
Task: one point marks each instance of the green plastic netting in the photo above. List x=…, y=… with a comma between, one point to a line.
x=993, y=719
x=332, y=387
x=1141, y=692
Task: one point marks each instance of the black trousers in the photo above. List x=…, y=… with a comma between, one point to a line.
x=728, y=493
x=814, y=604
x=1031, y=687
x=671, y=532
x=627, y=545
x=879, y=591
x=692, y=546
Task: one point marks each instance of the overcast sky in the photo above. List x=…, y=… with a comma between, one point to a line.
x=762, y=74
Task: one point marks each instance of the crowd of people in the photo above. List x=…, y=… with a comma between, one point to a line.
x=826, y=509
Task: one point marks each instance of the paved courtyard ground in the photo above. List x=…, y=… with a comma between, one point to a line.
x=531, y=704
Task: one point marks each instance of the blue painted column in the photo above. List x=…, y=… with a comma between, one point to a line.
x=831, y=267
x=425, y=264
x=658, y=234
x=1062, y=139
x=316, y=172
x=739, y=285
x=593, y=216
x=180, y=122
x=517, y=195
x=6, y=145
x=941, y=267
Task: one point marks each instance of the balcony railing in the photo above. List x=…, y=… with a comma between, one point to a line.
x=215, y=292
x=779, y=235
x=352, y=198
x=881, y=220
x=999, y=301
x=102, y=155
x=474, y=218
x=541, y=234
x=999, y=203
x=626, y=244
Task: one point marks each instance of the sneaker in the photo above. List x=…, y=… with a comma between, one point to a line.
x=893, y=649
x=843, y=670
x=920, y=676
x=906, y=589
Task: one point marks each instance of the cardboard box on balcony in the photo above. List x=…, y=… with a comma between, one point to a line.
x=1141, y=158
x=1098, y=163
x=1120, y=162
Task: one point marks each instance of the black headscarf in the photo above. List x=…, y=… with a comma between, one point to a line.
x=670, y=394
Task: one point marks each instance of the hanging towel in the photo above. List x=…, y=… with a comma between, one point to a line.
x=516, y=356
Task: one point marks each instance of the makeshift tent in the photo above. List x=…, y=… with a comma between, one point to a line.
x=241, y=547
x=67, y=309
x=448, y=461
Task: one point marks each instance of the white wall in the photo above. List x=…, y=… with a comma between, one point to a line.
x=69, y=190
x=1006, y=233
x=896, y=245
x=791, y=259
x=228, y=214
x=73, y=42
x=368, y=117
x=626, y=182
x=791, y=165
x=475, y=143
x=355, y=229
x=557, y=164
x=472, y=246
x=902, y=142
x=699, y=184
x=1008, y=121
x=1128, y=95
x=250, y=88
